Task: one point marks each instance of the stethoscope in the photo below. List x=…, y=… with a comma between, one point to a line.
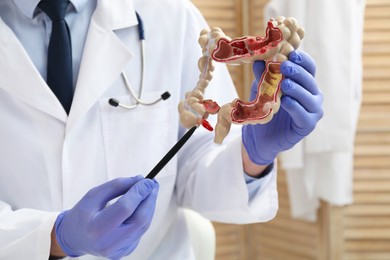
x=114, y=102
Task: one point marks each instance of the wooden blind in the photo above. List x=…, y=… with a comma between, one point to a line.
x=366, y=224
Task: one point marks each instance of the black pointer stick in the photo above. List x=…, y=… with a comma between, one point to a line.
x=170, y=154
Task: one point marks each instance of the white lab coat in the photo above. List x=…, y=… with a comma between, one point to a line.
x=48, y=161
x=321, y=166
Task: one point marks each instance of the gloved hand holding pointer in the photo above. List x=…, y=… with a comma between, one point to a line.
x=112, y=231
x=300, y=110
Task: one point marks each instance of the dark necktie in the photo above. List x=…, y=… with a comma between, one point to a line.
x=59, y=60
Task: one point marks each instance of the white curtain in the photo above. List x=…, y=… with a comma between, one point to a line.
x=321, y=167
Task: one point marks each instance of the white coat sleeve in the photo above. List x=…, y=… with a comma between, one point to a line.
x=211, y=177
x=25, y=233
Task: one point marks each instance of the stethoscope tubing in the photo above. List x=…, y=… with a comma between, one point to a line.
x=138, y=101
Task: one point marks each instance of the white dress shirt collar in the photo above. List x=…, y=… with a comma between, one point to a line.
x=28, y=7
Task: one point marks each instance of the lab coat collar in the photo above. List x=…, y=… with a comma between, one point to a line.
x=115, y=14
x=28, y=7
x=29, y=86
x=105, y=56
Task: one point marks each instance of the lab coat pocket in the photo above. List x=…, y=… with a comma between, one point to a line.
x=135, y=140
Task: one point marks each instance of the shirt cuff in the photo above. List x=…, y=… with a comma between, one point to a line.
x=253, y=184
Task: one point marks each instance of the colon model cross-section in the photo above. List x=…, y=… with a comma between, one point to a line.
x=283, y=35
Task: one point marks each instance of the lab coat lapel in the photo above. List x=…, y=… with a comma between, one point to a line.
x=105, y=56
x=21, y=79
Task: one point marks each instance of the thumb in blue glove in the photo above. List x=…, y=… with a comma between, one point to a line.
x=113, y=231
x=300, y=110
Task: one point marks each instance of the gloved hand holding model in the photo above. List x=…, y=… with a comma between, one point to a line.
x=300, y=110
x=112, y=231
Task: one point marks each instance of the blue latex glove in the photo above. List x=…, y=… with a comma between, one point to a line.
x=113, y=231
x=300, y=110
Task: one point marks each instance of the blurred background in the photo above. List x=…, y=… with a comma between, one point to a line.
x=360, y=230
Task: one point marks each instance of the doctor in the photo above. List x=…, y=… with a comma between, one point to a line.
x=71, y=179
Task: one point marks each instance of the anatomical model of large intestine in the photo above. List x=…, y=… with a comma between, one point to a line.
x=283, y=35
